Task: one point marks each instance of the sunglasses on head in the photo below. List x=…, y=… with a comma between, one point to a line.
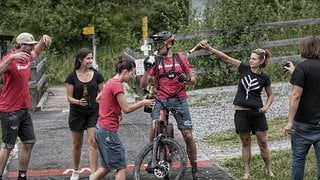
x=260, y=50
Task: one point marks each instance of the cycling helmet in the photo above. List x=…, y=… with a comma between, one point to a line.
x=162, y=38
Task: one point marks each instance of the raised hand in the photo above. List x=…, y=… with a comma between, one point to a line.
x=46, y=40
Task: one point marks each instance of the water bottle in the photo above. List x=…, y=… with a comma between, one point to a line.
x=149, y=96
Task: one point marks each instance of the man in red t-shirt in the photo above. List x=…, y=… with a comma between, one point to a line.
x=15, y=99
x=171, y=73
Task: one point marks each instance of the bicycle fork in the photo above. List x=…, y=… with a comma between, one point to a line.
x=156, y=141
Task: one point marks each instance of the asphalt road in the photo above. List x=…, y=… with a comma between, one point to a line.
x=51, y=156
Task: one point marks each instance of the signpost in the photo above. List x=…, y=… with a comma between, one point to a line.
x=145, y=47
x=89, y=30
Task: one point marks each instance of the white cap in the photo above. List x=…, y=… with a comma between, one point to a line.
x=25, y=38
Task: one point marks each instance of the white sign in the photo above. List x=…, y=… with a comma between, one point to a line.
x=139, y=67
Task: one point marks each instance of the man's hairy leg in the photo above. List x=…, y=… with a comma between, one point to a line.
x=191, y=145
x=24, y=156
x=4, y=155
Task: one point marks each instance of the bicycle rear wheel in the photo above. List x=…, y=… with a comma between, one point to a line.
x=171, y=161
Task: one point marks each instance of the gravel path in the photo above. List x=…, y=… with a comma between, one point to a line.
x=212, y=111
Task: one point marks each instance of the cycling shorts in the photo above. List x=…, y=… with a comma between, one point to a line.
x=182, y=115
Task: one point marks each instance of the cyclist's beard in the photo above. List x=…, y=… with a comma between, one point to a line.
x=166, y=52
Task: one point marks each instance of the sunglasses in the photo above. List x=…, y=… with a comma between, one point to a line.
x=259, y=50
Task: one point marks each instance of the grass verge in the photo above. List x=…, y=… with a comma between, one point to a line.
x=281, y=165
x=229, y=138
x=281, y=159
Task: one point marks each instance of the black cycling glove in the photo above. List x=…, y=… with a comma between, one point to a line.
x=184, y=78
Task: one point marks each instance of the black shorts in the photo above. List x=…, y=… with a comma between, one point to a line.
x=78, y=122
x=14, y=124
x=250, y=121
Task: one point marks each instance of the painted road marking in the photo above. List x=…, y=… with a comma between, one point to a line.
x=59, y=172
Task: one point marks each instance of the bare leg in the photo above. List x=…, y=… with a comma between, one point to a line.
x=120, y=174
x=99, y=174
x=265, y=151
x=24, y=156
x=4, y=155
x=246, y=153
x=77, y=140
x=191, y=145
x=93, y=150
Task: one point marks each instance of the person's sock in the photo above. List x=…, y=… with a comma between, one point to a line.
x=22, y=175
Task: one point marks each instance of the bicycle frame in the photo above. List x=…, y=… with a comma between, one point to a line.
x=160, y=130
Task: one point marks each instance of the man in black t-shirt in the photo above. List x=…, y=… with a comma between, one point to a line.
x=304, y=113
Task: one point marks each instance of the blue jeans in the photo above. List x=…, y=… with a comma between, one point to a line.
x=302, y=138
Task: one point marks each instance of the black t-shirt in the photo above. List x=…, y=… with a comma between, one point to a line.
x=78, y=87
x=250, y=86
x=307, y=76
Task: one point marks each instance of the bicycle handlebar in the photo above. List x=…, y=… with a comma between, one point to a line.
x=165, y=107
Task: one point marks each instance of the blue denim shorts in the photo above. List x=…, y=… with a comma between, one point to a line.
x=14, y=124
x=182, y=116
x=111, y=149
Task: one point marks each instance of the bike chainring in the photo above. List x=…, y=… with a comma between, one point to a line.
x=162, y=169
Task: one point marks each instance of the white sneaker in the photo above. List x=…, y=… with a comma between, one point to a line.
x=75, y=175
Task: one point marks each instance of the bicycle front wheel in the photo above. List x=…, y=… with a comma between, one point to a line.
x=171, y=161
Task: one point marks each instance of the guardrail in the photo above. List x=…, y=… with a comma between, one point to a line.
x=38, y=83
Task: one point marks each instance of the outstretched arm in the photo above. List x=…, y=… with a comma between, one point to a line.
x=127, y=108
x=45, y=41
x=204, y=44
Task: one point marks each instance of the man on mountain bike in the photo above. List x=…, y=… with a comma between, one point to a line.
x=171, y=73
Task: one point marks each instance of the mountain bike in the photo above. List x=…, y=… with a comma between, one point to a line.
x=158, y=158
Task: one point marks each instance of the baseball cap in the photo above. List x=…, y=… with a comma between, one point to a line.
x=25, y=38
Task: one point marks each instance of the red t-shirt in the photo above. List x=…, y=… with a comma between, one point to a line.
x=109, y=108
x=15, y=94
x=170, y=86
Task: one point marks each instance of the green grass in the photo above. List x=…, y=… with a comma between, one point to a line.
x=281, y=159
x=230, y=138
x=281, y=165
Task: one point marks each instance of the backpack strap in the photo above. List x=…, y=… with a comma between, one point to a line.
x=159, y=59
